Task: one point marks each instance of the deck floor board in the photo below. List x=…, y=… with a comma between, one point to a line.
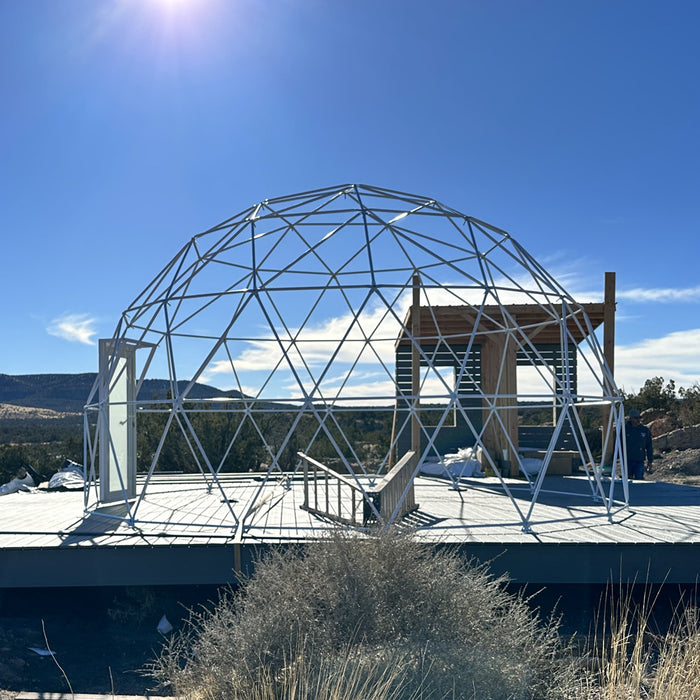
x=180, y=514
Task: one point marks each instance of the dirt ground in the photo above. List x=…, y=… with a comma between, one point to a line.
x=677, y=467
x=94, y=660
x=101, y=638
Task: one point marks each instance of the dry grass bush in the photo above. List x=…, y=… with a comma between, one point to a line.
x=677, y=672
x=350, y=675
x=630, y=661
x=405, y=619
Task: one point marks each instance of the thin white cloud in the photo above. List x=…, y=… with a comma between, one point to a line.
x=315, y=345
x=674, y=356
x=76, y=328
x=360, y=385
x=342, y=339
x=581, y=289
x=661, y=295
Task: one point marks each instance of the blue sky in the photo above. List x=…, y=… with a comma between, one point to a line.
x=130, y=125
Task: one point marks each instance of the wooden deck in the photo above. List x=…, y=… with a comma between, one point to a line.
x=187, y=534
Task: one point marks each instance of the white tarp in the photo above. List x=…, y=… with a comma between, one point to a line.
x=530, y=465
x=24, y=483
x=70, y=477
x=463, y=463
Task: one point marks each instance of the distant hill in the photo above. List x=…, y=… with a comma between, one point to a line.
x=9, y=411
x=69, y=392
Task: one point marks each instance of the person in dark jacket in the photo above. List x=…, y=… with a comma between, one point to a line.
x=639, y=447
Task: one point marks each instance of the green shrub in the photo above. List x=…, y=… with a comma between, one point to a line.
x=384, y=607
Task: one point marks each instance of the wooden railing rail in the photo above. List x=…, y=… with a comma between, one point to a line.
x=326, y=506
x=332, y=495
x=395, y=494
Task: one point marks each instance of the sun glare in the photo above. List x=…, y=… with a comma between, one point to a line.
x=164, y=35
x=188, y=5
x=174, y=5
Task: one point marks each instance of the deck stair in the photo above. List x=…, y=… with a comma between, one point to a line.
x=340, y=498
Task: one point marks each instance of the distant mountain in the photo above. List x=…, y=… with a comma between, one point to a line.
x=69, y=392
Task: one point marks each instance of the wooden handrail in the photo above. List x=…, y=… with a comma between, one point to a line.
x=330, y=471
x=392, y=496
x=395, y=491
x=322, y=506
x=390, y=475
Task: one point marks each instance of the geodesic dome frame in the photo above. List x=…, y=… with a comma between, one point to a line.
x=315, y=306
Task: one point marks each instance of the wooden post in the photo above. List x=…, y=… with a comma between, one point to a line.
x=393, y=435
x=609, y=347
x=496, y=351
x=491, y=351
x=609, y=322
x=415, y=368
x=510, y=387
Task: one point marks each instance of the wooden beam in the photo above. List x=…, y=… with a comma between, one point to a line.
x=609, y=322
x=457, y=323
x=509, y=416
x=500, y=350
x=415, y=366
x=609, y=347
